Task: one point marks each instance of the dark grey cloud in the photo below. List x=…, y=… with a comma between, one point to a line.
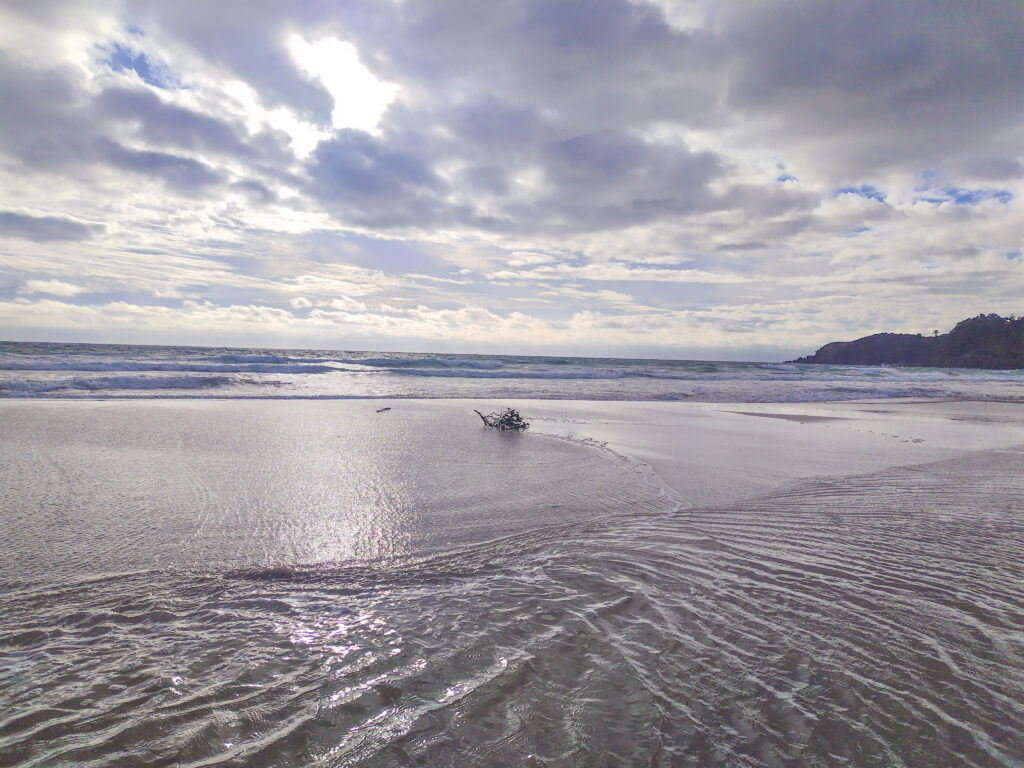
x=183, y=174
x=157, y=124
x=592, y=99
x=878, y=84
x=495, y=130
x=44, y=228
x=852, y=90
x=368, y=182
x=161, y=123
x=613, y=178
x=592, y=180
x=994, y=168
x=595, y=63
x=855, y=88
x=45, y=123
x=58, y=126
x=602, y=157
x=588, y=181
x=257, y=192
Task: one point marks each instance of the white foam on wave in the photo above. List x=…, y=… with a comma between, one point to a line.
x=88, y=366
x=507, y=374
x=424, y=362
x=105, y=383
x=79, y=370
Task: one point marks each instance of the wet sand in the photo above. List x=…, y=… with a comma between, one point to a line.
x=712, y=453
x=296, y=583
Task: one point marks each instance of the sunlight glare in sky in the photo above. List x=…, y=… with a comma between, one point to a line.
x=360, y=99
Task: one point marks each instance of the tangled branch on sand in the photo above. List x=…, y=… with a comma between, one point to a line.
x=508, y=419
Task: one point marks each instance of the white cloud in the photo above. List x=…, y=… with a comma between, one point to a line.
x=347, y=304
x=618, y=272
x=52, y=287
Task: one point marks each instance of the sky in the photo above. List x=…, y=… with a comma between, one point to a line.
x=734, y=181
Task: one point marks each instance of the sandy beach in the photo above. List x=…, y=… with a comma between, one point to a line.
x=712, y=453
x=296, y=582
x=708, y=453
x=751, y=272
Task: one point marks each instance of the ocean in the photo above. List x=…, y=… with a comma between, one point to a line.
x=114, y=370
x=244, y=557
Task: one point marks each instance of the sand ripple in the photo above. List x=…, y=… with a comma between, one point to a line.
x=869, y=621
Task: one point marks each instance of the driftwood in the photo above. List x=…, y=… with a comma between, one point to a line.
x=509, y=419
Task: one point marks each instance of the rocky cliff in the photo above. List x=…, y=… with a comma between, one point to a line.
x=985, y=341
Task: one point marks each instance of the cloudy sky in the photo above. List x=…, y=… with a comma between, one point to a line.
x=742, y=180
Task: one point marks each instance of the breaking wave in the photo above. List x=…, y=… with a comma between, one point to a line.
x=285, y=366
x=76, y=370
x=104, y=383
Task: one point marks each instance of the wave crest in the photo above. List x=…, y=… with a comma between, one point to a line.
x=37, y=386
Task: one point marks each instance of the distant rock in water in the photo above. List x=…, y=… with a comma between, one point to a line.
x=985, y=341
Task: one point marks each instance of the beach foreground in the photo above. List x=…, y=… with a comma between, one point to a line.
x=298, y=582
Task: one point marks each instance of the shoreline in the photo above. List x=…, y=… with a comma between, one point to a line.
x=716, y=453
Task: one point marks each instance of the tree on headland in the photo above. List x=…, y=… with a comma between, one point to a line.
x=986, y=341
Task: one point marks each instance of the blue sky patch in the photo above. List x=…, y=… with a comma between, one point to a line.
x=122, y=59
x=864, y=190
x=963, y=195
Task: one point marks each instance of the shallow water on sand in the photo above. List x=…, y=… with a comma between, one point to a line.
x=99, y=488
x=874, y=620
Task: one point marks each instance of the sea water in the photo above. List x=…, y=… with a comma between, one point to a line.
x=100, y=370
x=299, y=581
